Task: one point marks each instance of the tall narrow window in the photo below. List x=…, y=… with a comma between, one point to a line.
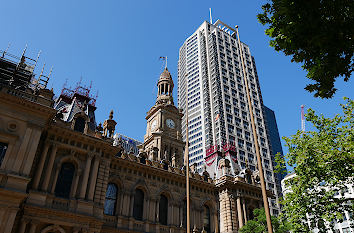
x=64, y=181
x=3, y=148
x=163, y=210
x=206, y=219
x=249, y=179
x=111, y=199
x=79, y=124
x=138, y=207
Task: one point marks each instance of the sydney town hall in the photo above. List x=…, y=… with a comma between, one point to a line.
x=61, y=172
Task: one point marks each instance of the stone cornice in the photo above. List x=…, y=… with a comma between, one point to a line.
x=170, y=108
x=132, y=164
x=78, y=137
x=26, y=104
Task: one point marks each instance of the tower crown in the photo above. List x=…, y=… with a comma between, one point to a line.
x=165, y=88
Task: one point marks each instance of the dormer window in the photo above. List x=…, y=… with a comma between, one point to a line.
x=80, y=124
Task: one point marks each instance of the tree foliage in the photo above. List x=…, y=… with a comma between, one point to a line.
x=317, y=33
x=323, y=162
x=259, y=224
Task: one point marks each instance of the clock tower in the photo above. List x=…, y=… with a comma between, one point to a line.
x=163, y=139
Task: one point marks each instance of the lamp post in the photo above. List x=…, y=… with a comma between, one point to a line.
x=259, y=161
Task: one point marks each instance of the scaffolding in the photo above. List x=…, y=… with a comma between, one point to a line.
x=68, y=93
x=18, y=72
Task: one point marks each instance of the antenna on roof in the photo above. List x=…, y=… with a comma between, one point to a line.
x=211, y=18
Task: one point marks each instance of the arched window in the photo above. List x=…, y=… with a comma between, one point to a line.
x=64, y=181
x=138, y=207
x=165, y=165
x=3, y=148
x=142, y=160
x=111, y=199
x=163, y=210
x=250, y=214
x=206, y=219
x=79, y=124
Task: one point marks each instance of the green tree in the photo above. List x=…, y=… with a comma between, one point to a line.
x=259, y=224
x=323, y=162
x=317, y=33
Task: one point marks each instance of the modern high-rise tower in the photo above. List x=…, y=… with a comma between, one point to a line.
x=211, y=84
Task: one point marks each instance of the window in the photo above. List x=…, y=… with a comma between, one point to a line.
x=65, y=178
x=248, y=178
x=79, y=124
x=346, y=230
x=206, y=219
x=163, y=210
x=111, y=199
x=3, y=148
x=138, y=207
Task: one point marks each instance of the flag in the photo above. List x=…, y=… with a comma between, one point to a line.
x=217, y=117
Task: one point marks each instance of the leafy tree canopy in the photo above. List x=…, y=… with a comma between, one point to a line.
x=323, y=162
x=317, y=33
x=259, y=224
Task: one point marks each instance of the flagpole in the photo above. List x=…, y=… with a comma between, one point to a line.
x=259, y=161
x=186, y=158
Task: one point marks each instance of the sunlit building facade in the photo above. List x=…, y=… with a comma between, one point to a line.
x=211, y=86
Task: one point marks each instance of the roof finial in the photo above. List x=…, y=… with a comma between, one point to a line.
x=111, y=115
x=164, y=59
x=211, y=18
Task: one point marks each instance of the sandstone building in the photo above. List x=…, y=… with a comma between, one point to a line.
x=61, y=172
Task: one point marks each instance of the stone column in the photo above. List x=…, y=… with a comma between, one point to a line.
x=171, y=215
x=239, y=213
x=33, y=227
x=86, y=176
x=39, y=171
x=31, y=150
x=93, y=178
x=49, y=169
x=153, y=210
x=11, y=215
x=145, y=208
x=23, y=225
x=22, y=150
x=55, y=180
x=244, y=210
x=76, y=182
x=157, y=210
x=181, y=215
x=216, y=222
x=131, y=204
x=122, y=203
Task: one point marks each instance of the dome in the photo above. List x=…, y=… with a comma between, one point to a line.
x=165, y=74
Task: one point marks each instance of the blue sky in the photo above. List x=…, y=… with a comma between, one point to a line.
x=116, y=45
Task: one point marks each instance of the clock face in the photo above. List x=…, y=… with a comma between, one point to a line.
x=153, y=125
x=170, y=123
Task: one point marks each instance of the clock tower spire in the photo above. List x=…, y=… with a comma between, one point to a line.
x=163, y=139
x=165, y=88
